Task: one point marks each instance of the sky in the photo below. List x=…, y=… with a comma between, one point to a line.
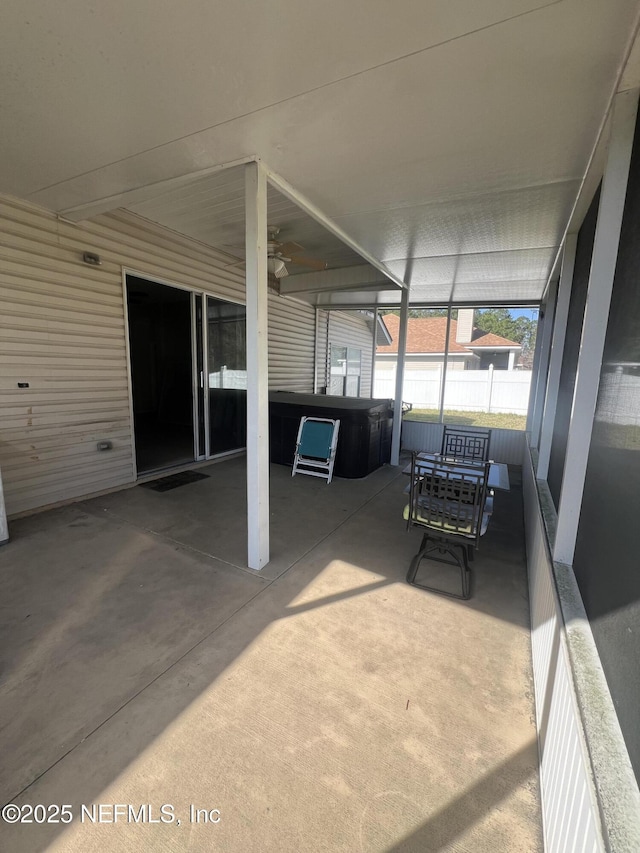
x=529, y=313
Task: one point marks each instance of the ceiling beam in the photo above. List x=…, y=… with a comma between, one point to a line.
x=137, y=195
x=315, y=213
x=358, y=300
x=349, y=299
x=361, y=277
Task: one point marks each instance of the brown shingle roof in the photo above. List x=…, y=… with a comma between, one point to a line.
x=488, y=339
x=427, y=335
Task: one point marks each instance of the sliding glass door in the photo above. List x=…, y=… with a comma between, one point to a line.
x=188, y=374
x=160, y=332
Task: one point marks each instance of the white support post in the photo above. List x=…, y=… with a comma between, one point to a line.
x=374, y=348
x=257, y=367
x=443, y=376
x=594, y=327
x=556, y=355
x=539, y=391
x=315, y=352
x=397, y=406
x=327, y=355
x=487, y=402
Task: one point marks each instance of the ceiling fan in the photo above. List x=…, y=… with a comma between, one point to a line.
x=280, y=254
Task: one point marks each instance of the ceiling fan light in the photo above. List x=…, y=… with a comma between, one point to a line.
x=276, y=267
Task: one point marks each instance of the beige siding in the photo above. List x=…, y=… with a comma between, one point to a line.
x=353, y=329
x=62, y=330
x=464, y=325
x=291, y=344
x=344, y=328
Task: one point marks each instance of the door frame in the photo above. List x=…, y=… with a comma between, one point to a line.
x=195, y=390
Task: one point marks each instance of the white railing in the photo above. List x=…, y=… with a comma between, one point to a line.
x=490, y=390
x=507, y=445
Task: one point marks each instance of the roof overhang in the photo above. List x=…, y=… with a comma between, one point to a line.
x=382, y=330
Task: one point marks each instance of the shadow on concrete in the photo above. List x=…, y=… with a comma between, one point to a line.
x=465, y=810
x=120, y=628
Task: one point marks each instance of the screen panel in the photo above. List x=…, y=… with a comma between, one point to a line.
x=606, y=560
x=584, y=251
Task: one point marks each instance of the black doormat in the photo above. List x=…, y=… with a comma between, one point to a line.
x=165, y=484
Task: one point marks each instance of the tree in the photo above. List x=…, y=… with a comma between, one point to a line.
x=499, y=321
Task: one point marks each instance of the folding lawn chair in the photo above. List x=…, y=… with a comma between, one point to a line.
x=316, y=447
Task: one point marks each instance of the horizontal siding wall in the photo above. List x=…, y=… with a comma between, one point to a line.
x=507, y=445
x=62, y=330
x=292, y=329
x=351, y=329
x=348, y=329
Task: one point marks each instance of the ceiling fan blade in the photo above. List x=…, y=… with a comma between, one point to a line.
x=290, y=248
x=303, y=261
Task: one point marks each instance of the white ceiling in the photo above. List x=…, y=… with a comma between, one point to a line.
x=447, y=138
x=211, y=210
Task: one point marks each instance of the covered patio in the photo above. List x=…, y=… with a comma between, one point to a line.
x=204, y=205
x=322, y=704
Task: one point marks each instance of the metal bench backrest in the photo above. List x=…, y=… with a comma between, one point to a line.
x=448, y=498
x=466, y=444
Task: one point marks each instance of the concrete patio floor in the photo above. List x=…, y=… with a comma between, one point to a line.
x=320, y=705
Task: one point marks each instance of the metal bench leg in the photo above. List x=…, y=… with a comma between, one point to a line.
x=441, y=546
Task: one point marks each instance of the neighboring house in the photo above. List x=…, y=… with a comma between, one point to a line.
x=470, y=348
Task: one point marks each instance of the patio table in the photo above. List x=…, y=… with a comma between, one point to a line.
x=498, y=471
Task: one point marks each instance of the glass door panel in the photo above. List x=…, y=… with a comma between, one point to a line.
x=160, y=347
x=227, y=375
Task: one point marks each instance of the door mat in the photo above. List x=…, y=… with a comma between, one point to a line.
x=173, y=481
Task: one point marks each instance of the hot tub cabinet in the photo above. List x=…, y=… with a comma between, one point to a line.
x=364, y=440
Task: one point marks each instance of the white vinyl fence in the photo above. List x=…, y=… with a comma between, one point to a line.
x=466, y=390
x=224, y=378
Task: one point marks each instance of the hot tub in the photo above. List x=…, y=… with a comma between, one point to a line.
x=364, y=440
